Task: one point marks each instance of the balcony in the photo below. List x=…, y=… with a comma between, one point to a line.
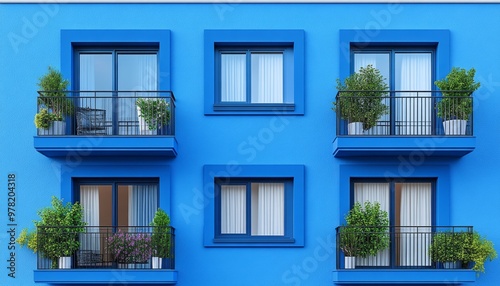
x=107, y=123
x=105, y=255
x=407, y=260
x=413, y=125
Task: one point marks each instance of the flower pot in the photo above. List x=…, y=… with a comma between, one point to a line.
x=454, y=127
x=143, y=126
x=156, y=262
x=65, y=262
x=56, y=128
x=355, y=128
x=350, y=262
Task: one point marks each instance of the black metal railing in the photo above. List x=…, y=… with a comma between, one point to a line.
x=407, y=246
x=130, y=247
x=404, y=113
x=101, y=113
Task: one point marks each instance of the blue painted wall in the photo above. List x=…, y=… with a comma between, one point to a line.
x=30, y=41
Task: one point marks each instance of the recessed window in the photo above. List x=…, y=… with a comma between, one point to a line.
x=254, y=72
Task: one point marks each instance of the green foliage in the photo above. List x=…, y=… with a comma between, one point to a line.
x=44, y=119
x=361, y=97
x=449, y=246
x=28, y=238
x=457, y=88
x=161, y=238
x=479, y=250
x=155, y=112
x=53, y=88
x=57, y=230
x=462, y=246
x=366, y=232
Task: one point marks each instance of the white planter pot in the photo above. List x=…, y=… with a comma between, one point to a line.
x=156, y=262
x=350, y=262
x=355, y=128
x=56, y=128
x=143, y=126
x=65, y=262
x=455, y=127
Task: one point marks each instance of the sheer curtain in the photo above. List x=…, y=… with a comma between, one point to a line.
x=267, y=78
x=233, y=209
x=413, y=113
x=268, y=209
x=142, y=204
x=373, y=192
x=379, y=61
x=415, y=224
x=233, y=78
x=89, y=199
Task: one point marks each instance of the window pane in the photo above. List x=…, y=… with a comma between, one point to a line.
x=268, y=209
x=233, y=78
x=137, y=204
x=96, y=201
x=233, y=209
x=413, y=73
x=267, y=77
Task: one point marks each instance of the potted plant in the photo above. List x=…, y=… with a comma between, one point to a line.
x=365, y=232
x=44, y=119
x=478, y=251
x=160, y=239
x=360, y=99
x=456, y=105
x=450, y=248
x=56, y=234
x=53, y=101
x=153, y=113
x=129, y=248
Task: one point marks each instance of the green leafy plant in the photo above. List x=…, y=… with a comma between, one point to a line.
x=44, y=119
x=450, y=246
x=457, y=88
x=366, y=232
x=360, y=97
x=160, y=239
x=154, y=111
x=479, y=250
x=56, y=233
x=53, y=89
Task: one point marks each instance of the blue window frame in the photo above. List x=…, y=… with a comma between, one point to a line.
x=235, y=201
x=254, y=72
x=254, y=210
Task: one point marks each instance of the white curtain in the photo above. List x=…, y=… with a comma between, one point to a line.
x=233, y=209
x=373, y=192
x=233, y=78
x=142, y=204
x=268, y=209
x=379, y=61
x=415, y=224
x=413, y=113
x=89, y=199
x=267, y=78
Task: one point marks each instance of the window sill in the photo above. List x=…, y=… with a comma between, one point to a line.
x=253, y=109
x=400, y=276
x=106, y=276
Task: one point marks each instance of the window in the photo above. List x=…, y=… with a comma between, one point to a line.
x=410, y=205
x=409, y=72
x=117, y=203
x=410, y=60
x=254, y=72
x=254, y=206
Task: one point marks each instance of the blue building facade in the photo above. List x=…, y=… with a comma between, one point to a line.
x=254, y=168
